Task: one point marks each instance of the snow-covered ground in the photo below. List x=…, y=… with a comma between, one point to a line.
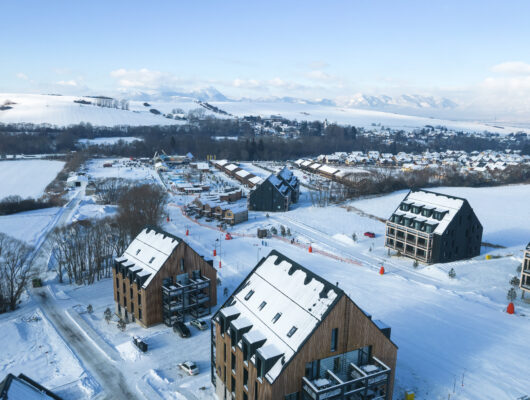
x=446, y=329
x=121, y=168
x=29, y=225
x=109, y=140
x=27, y=178
x=352, y=116
x=62, y=111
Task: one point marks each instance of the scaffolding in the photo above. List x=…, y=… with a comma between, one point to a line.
x=185, y=295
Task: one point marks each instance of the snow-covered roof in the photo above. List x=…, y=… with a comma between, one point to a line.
x=306, y=163
x=256, y=180
x=149, y=251
x=22, y=388
x=231, y=167
x=283, y=302
x=328, y=170
x=242, y=173
x=449, y=205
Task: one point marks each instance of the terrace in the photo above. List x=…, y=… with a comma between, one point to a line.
x=346, y=379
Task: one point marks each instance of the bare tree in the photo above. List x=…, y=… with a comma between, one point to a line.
x=140, y=206
x=14, y=271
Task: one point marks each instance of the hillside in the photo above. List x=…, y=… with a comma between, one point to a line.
x=67, y=110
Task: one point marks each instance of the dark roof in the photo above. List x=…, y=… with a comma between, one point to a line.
x=8, y=380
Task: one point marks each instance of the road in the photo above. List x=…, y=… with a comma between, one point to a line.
x=105, y=372
x=102, y=369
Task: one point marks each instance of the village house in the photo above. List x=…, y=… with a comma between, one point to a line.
x=525, y=271
x=434, y=228
x=160, y=278
x=288, y=334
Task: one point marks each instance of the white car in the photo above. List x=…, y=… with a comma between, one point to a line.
x=190, y=367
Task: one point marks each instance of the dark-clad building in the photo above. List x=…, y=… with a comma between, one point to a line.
x=275, y=193
x=288, y=334
x=160, y=278
x=434, y=228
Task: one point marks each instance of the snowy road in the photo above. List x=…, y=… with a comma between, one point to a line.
x=105, y=372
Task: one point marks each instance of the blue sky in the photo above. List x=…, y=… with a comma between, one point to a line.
x=312, y=49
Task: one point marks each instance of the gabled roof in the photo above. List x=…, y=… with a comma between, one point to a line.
x=295, y=297
x=449, y=205
x=149, y=251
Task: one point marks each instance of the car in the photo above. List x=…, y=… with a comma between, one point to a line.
x=369, y=234
x=190, y=367
x=181, y=329
x=199, y=324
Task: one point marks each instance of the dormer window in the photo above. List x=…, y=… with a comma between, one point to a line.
x=404, y=206
x=263, y=304
x=276, y=317
x=151, y=260
x=249, y=294
x=138, y=251
x=292, y=331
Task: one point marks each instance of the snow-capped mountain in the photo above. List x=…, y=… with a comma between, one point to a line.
x=404, y=101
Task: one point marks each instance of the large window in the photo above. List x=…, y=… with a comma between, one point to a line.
x=334, y=339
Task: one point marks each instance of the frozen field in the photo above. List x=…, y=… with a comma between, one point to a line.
x=27, y=178
x=28, y=226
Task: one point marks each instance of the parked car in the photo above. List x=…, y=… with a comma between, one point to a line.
x=190, y=367
x=199, y=324
x=181, y=329
x=369, y=234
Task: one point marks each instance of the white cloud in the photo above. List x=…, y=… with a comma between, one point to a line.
x=22, y=76
x=144, y=79
x=512, y=68
x=70, y=82
x=246, y=83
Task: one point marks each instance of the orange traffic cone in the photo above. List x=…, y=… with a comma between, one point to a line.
x=382, y=270
x=310, y=249
x=510, y=309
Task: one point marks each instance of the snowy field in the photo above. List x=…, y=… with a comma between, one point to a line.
x=102, y=141
x=119, y=169
x=27, y=178
x=351, y=116
x=29, y=225
x=62, y=111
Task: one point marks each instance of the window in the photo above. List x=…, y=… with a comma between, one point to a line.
x=276, y=317
x=132, y=307
x=233, y=362
x=151, y=260
x=256, y=390
x=249, y=294
x=224, y=352
x=139, y=300
x=123, y=287
x=139, y=313
x=334, y=338
x=245, y=378
x=292, y=396
x=292, y=331
x=117, y=283
x=131, y=292
x=263, y=304
x=138, y=251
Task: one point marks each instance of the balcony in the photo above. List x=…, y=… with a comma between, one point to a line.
x=366, y=382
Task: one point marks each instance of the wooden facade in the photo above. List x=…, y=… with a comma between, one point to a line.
x=237, y=379
x=134, y=303
x=525, y=271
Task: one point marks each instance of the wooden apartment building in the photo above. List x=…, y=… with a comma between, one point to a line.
x=525, y=271
x=160, y=278
x=287, y=334
x=434, y=228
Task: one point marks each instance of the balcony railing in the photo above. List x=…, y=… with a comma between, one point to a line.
x=365, y=382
